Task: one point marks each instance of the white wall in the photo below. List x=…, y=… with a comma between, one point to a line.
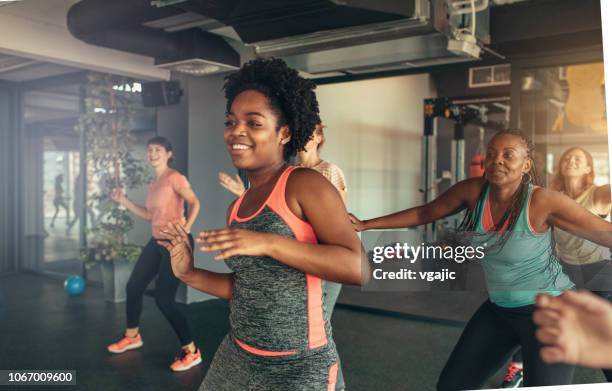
x=207, y=155
x=373, y=133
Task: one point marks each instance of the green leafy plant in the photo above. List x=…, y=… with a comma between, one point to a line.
x=106, y=125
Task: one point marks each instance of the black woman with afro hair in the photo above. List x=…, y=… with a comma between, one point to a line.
x=286, y=234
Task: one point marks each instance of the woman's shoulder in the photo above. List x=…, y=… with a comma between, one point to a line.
x=541, y=196
x=305, y=178
x=175, y=174
x=333, y=168
x=471, y=187
x=176, y=179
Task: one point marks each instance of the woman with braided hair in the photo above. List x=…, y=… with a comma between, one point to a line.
x=286, y=235
x=513, y=218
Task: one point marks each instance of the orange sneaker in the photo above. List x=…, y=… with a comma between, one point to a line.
x=124, y=344
x=186, y=360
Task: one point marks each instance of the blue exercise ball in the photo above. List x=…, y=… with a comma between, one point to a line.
x=74, y=285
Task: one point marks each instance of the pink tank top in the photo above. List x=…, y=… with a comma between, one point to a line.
x=164, y=202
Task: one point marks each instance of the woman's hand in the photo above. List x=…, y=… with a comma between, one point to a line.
x=234, y=185
x=575, y=328
x=118, y=196
x=358, y=225
x=176, y=240
x=234, y=241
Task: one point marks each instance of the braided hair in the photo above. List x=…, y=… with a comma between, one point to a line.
x=512, y=213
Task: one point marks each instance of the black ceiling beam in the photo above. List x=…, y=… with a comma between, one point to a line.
x=88, y=17
x=543, y=18
x=118, y=24
x=263, y=20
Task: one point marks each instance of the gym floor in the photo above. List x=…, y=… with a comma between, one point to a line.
x=43, y=328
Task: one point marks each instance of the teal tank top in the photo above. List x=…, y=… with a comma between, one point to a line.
x=524, y=266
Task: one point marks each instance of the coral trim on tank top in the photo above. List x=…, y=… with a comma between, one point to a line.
x=261, y=352
x=303, y=232
x=487, y=217
x=333, y=377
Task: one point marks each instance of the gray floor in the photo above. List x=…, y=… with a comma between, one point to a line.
x=43, y=328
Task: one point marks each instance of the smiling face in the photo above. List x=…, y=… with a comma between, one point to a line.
x=252, y=135
x=507, y=159
x=574, y=163
x=157, y=155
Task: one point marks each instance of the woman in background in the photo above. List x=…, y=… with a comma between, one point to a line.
x=165, y=199
x=586, y=263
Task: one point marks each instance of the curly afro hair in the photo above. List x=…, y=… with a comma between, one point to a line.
x=290, y=96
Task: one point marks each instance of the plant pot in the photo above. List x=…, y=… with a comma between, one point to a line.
x=115, y=276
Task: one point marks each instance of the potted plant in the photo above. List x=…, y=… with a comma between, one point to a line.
x=106, y=125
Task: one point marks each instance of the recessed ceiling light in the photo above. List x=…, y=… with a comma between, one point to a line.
x=197, y=67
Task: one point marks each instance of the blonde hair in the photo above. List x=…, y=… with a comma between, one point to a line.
x=558, y=183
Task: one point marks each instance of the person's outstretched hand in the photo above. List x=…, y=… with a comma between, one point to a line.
x=576, y=328
x=118, y=196
x=234, y=185
x=357, y=224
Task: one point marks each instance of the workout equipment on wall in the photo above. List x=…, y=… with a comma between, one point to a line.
x=462, y=111
x=477, y=161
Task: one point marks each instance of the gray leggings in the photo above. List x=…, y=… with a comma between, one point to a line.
x=332, y=291
x=234, y=369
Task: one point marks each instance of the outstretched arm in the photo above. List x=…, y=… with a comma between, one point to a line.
x=233, y=184
x=602, y=200
x=458, y=197
x=561, y=211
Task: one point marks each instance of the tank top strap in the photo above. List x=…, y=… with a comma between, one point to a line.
x=302, y=230
x=276, y=200
x=525, y=223
x=235, y=208
x=586, y=198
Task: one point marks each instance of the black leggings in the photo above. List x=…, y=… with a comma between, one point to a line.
x=596, y=277
x=155, y=261
x=490, y=337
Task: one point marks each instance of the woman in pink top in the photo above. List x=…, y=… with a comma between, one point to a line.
x=165, y=199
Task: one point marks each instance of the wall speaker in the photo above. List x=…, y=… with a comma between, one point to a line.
x=161, y=93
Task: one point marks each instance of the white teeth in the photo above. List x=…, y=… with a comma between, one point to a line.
x=240, y=146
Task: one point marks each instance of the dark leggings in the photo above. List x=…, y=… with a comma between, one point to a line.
x=596, y=277
x=490, y=337
x=155, y=261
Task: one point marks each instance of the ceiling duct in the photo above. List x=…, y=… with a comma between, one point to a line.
x=314, y=36
x=418, y=40
x=321, y=36
x=121, y=25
